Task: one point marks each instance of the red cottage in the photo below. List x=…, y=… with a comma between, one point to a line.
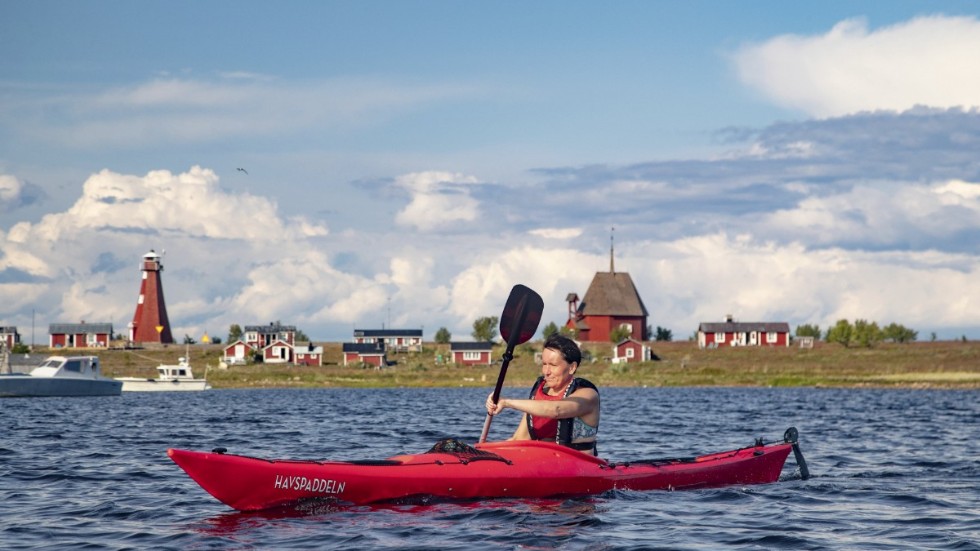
x=307, y=354
x=398, y=340
x=471, y=353
x=734, y=333
x=9, y=337
x=277, y=352
x=630, y=350
x=372, y=353
x=238, y=352
x=79, y=335
x=261, y=336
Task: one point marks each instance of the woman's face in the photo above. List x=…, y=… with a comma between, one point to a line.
x=557, y=372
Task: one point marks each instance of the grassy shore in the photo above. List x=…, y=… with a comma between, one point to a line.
x=947, y=364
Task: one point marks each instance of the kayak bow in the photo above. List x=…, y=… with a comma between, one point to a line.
x=453, y=470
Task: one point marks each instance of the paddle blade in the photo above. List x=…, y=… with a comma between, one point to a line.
x=521, y=315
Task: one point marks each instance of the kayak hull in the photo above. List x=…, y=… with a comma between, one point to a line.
x=516, y=469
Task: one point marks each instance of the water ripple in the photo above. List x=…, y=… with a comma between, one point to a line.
x=892, y=470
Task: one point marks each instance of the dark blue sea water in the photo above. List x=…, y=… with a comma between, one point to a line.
x=892, y=469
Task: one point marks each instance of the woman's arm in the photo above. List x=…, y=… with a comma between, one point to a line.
x=581, y=402
x=521, y=433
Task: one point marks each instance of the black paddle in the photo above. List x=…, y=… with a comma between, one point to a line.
x=518, y=323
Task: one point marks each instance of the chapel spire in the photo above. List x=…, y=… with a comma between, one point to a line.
x=612, y=265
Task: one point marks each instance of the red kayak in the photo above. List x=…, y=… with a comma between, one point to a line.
x=453, y=470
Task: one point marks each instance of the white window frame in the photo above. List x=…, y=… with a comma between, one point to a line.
x=472, y=355
x=719, y=337
x=772, y=338
x=630, y=352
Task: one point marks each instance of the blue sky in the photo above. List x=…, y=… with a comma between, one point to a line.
x=408, y=162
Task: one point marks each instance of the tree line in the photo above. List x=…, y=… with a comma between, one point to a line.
x=861, y=333
x=485, y=330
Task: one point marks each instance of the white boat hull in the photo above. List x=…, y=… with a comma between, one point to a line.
x=16, y=386
x=135, y=384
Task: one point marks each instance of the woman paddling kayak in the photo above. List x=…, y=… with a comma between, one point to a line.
x=561, y=408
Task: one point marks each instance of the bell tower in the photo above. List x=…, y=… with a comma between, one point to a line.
x=150, y=322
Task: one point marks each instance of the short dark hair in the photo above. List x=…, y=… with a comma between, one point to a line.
x=569, y=350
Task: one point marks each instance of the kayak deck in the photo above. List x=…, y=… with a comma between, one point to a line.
x=455, y=471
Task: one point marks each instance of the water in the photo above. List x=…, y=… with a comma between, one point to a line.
x=892, y=469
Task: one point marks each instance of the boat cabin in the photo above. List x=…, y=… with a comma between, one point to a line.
x=172, y=372
x=77, y=367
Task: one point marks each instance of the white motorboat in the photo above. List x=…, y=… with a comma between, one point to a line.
x=171, y=378
x=61, y=376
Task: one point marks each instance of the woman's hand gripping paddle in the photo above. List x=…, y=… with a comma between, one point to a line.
x=518, y=323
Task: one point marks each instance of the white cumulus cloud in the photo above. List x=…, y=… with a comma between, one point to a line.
x=891, y=213
x=81, y=263
x=439, y=199
x=932, y=61
x=703, y=278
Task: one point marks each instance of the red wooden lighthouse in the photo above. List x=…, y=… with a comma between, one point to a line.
x=150, y=322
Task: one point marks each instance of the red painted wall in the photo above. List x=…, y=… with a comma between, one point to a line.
x=80, y=340
x=354, y=357
x=308, y=359
x=782, y=339
x=637, y=351
x=458, y=358
x=600, y=327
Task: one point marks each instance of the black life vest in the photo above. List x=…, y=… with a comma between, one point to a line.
x=564, y=433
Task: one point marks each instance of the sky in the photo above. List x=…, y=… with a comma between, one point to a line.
x=406, y=163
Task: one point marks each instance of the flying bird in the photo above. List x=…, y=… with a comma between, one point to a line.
x=243, y=170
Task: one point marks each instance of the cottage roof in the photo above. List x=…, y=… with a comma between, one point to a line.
x=364, y=348
x=231, y=345
x=271, y=328
x=277, y=343
x=612, y=294
x=308, y=348
x=77, y=328
x=381, y=333
x=8, y=329
x=744, y=327
x=470, y=346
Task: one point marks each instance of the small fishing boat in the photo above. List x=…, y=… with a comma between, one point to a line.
x=61, y=376
x=453, y=470
x=171, y=378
